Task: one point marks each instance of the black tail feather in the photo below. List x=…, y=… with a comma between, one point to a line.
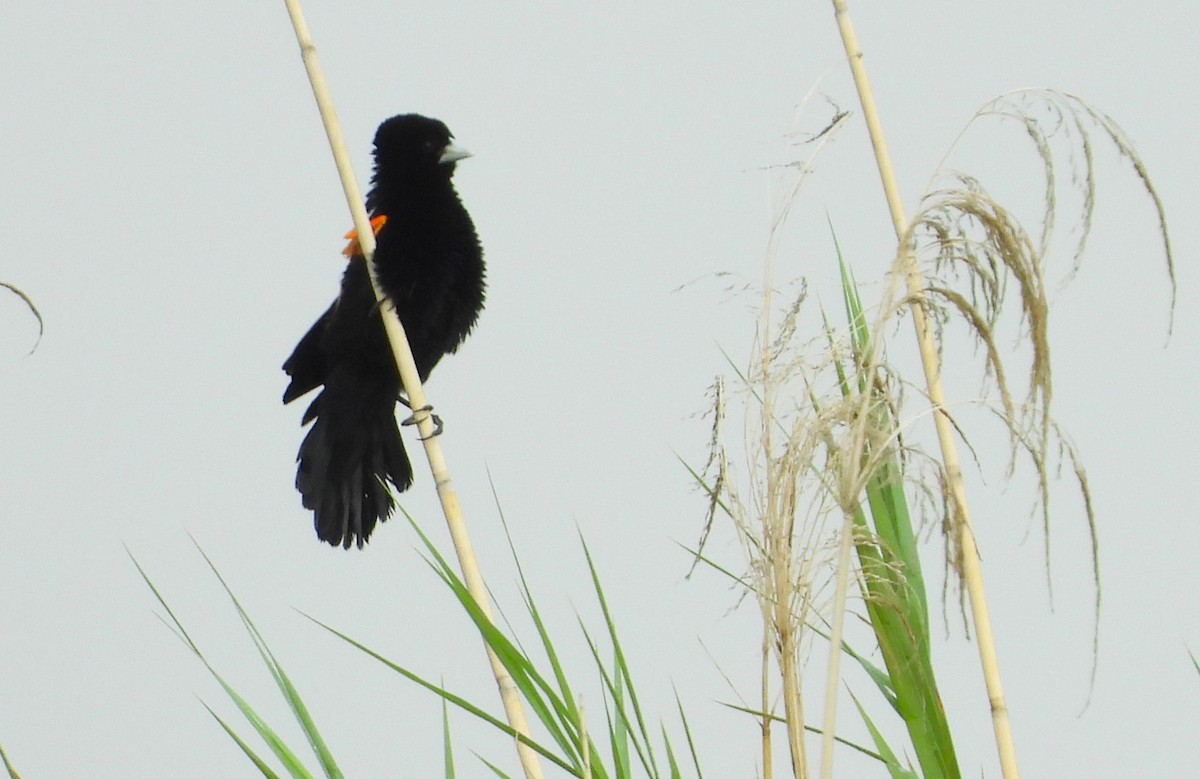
x=307, y=364
x=348, y=459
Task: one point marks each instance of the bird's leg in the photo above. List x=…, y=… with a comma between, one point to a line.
x=412, y=420
x=379, y=304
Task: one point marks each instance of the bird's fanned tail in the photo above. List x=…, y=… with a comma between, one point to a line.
x=350, y=455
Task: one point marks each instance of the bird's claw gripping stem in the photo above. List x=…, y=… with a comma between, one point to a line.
x=412, y=420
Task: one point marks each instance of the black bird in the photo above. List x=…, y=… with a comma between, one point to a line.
x=430, y=265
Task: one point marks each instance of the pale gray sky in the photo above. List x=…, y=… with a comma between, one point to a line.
x=169, y=201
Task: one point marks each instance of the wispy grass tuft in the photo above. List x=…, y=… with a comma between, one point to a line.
x=977, y=260
x=826, y=469
x=828, y=466
x=1053, y=119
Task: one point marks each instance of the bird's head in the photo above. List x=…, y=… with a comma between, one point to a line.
x=415, y=147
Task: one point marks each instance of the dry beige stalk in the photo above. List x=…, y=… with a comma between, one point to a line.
x=972, y=573
x=409, y=377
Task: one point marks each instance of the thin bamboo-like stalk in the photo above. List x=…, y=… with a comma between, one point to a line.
x=833, y=672
x=786, y=634
x=777, y=511
x=972, y=574
x=768, y=765
x=411, y=380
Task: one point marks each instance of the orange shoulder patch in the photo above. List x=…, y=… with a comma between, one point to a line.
x=353, y=249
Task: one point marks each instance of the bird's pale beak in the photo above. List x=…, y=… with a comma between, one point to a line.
x=453, y=153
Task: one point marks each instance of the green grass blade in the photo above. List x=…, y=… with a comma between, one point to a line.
x=272, y=739
x=565, y=693
x=447, y=749
x=889, y=757
x=175, y=624
x=878, y=675
x=12, y=772
x=671, y=762
x=733, y=577
x=761, y=715
x=277, y=745
x=620, y=770
x=622, y=667
x=621, y=731
x=564, y=696
x=620, y=736
x=687, y=731
x=450, y=697
x=704, y=485
x=894, y=587
x=495, y=769
x=289, y=691
x=541, y=696
x=265, y=732
x=259, y=763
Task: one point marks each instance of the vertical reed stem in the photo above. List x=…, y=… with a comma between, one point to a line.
x=972, y=574
x=412, y=385
x=768, y=765
x=833, y=672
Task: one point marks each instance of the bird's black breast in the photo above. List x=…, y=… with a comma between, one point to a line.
x=430, y=265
